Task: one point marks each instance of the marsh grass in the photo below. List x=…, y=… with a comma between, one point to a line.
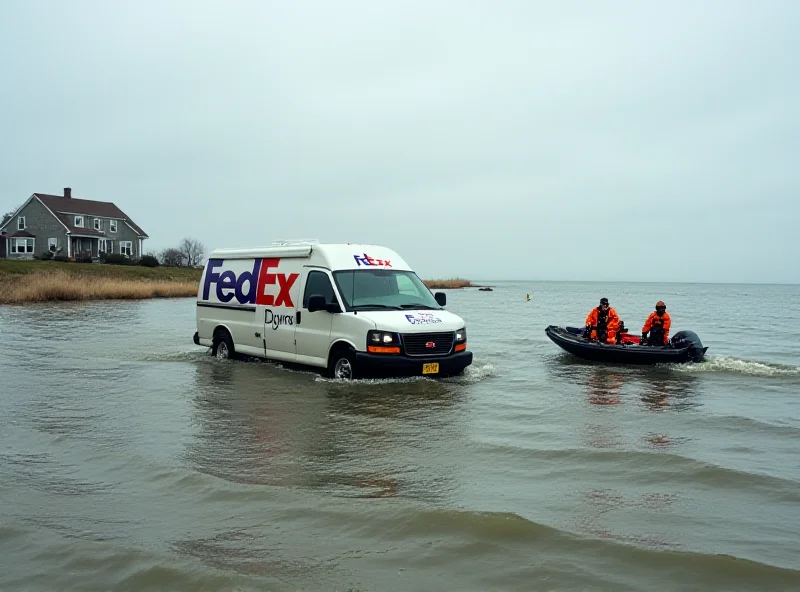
x=24, y=282
x=31, y=282
x=450, y=284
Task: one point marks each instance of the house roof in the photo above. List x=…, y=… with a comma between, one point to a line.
x=63, y=206
x=22, y=234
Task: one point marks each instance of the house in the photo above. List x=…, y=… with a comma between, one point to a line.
x=69, y=227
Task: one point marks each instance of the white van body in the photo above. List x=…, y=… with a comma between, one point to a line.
x=355, y=310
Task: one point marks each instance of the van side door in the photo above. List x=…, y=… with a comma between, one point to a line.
x=313, y=329
x=277, y=299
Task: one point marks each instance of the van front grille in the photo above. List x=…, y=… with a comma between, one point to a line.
x=428, y=344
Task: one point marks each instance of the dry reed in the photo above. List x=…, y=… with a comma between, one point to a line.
x=59, y=285
x=447, y=284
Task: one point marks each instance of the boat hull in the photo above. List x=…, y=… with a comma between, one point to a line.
x=685, y=346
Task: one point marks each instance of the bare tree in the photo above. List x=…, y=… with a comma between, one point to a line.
x=171, y=258
x=192, y=251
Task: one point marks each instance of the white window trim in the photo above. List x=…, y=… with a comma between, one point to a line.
x=112, y=225
x=75, y=220
x=52, y=244
x=21, y=219
x=124, y=246
x=106, y=246
x=98, y=224
x=15, y=240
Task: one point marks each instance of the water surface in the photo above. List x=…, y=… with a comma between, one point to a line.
x=130, y=459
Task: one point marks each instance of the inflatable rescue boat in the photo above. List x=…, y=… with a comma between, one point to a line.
x=683, y=347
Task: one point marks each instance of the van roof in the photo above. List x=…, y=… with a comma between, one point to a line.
x=334, y=255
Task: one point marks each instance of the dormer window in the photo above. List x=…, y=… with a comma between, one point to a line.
x=98, y=224
x=21, y=223
x=112, y=225
x=79, y=221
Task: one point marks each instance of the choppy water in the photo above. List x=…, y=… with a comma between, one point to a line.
x=132, y=460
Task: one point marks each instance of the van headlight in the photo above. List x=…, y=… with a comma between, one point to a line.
x=461, y=339
x=383, y=342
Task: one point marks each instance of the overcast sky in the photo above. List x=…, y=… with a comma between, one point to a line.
x=490, y=140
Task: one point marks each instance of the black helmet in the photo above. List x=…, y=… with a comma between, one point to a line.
x=603, y=301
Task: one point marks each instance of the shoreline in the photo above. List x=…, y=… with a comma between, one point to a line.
x=35, y=282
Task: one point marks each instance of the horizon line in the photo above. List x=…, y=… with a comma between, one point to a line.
x=694, y=282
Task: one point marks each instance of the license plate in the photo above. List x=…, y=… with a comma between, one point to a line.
x=430, y=368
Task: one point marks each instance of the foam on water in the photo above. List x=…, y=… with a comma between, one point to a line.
x=472, y=375
x=735, y=365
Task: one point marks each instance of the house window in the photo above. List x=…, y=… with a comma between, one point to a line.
x=21, y=223
x=106, y=245
x=98, y=224
x=22, y=245
x=79, y=221
x=52, y=244
x=112, y=225
x=126, y=248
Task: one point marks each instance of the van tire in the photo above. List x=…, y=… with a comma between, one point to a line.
x=342, y=364
x=222, y=347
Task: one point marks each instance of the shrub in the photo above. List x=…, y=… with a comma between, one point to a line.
x=61, y=258
x=148, y=261
x=118, y=259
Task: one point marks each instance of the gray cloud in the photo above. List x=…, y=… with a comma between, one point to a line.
x=620, y=141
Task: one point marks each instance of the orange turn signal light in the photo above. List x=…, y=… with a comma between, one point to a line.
x=377, y=349
x=461, y=346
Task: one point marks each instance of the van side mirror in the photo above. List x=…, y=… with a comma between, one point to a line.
x=441, y=298
x=316, y=302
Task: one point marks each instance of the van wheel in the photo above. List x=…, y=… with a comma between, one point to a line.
x=342, y=364
x=223, y=345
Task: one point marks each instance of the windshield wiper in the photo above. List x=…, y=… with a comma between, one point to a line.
x=420, y=306
x=360, y=306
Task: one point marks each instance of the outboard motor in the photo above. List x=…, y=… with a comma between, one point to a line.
x=690, y=340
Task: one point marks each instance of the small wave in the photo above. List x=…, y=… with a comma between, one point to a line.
x=734, y=365
x=494, y=526
x=360, y=381
x=669, y=468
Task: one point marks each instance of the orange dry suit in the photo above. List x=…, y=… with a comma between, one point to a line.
x=658, y=326
x=604, y=322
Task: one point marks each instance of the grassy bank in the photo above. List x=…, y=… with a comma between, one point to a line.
x=42, y=281
x=451, y=284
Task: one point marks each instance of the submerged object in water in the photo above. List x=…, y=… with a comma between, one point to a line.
x=684, y=346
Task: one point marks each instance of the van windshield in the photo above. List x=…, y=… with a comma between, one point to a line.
x=379, y=289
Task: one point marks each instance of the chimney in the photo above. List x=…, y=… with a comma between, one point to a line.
x=67, y=192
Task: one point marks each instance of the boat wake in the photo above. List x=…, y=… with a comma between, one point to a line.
x=733, y=365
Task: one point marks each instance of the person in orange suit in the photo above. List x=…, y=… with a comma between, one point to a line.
x=657, y=324
x=602, y=323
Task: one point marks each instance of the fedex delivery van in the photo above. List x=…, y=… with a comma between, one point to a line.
x=353, y=310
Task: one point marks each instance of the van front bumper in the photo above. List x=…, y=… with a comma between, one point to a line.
x=383, y=365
